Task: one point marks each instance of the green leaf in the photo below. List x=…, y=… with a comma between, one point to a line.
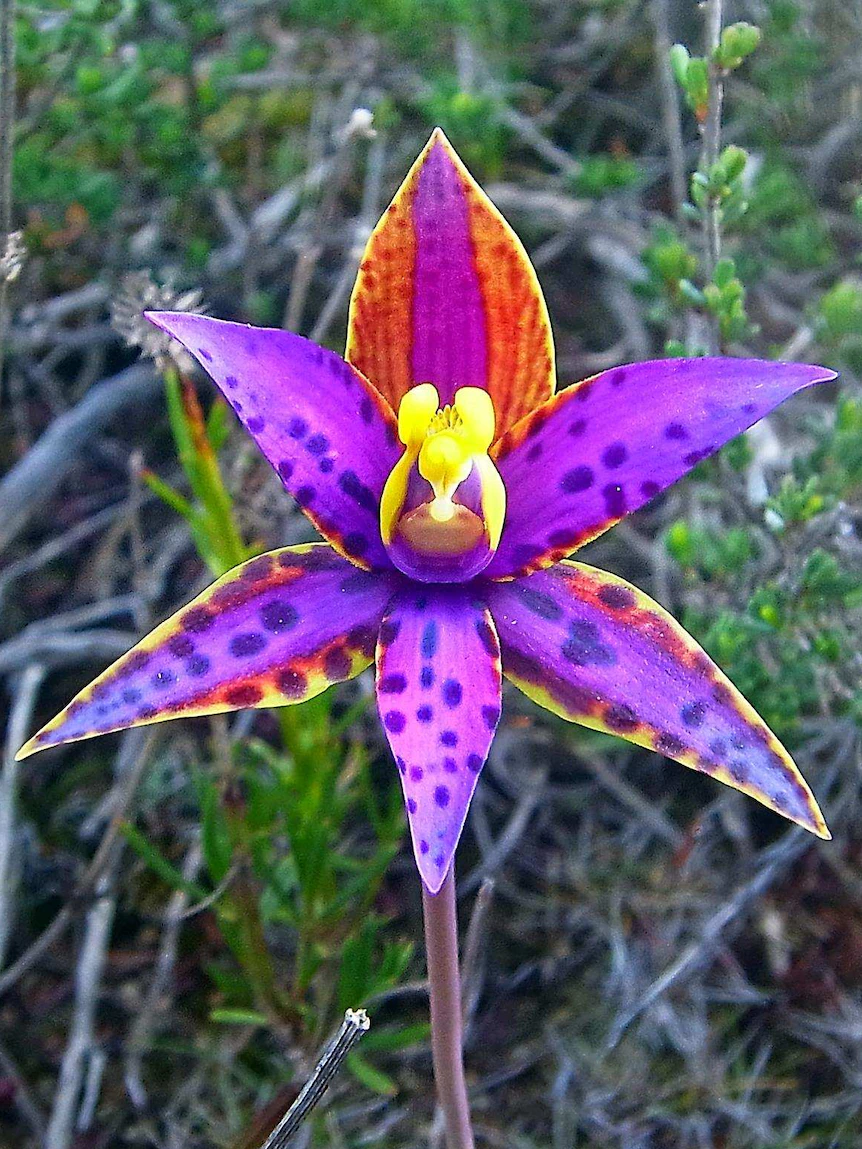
x=370, y=1077
x=238, y=1017
x=156, y=860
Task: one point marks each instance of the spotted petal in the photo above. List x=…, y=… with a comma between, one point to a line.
x=277, y=629
x=438, y=691
x=607, y=446
x=447, y=295
x=595, y=650
x=326, y=431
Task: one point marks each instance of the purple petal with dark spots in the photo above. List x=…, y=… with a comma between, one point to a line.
x=438, y=692
x=596, y=650
x=614, y=442
x=301, y=405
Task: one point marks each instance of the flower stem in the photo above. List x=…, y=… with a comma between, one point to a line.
x=441, y=945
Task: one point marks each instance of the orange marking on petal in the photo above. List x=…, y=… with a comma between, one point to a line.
x=380, y=321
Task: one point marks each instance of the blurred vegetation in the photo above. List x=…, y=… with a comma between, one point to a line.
x=168, y=135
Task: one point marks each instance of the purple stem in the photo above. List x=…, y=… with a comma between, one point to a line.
x=444, y=982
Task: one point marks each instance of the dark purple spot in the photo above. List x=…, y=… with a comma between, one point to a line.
x=196, y=619
x=425, y=713
x=204, y=354
x=366, y=410
x=615, y=455
x=401, y=764
x=325, y=466
x=694, y=457
x=539, y=602
x=411, y=805
x=355, y=489
x=246, y=694
x=491, y=716
x=749, y=408
x=394, y=721
x=721, y=693
x=669, y=744
x=244, y=645
x=231, y=381
x=675, y=431
x=389, y=629
x=426, y=677
x=363, y=639
x=617, y=377
x=416, y=772
x=738, y=768
x=291, y=683
x=256, y=424
x=393, y=684
x=615, y=500
x=356, y=543
x=449, y=738
x=534, y=452
x=582, y=391
x=452, y=693
x=441, y=796
x=138, y=659
x=577, y=427
x=617, y=597
x=297, y=428
x=279, y=615
x=718, y=748
x=474, y=763
x=428, y=643
x=163, y=678
x=147, y=712
x=621, y=717
x=132, y=697
x=197, y=665
x=487, y=637
x=337, y=664
x=563, y=539
x=578, y=479
x=439, y=861
x=584, y=646
x=305, y=496
x=693, y=713
x=317, y=445
x=257, y=570
x=180, y=645
x=237, y=406
x=649, y=488
x=423, y=847
x=285, y=469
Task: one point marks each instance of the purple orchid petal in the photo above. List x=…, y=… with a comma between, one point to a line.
x=330, y=436
x=597, y=651
x=607, y=446
x=277, y=629
x=438, y=691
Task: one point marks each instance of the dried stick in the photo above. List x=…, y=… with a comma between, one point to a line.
x=355, y=1024
x=7, y=129
x=670, y=107
x=154, y=1001
x=137, y=744
x=88, y=979
x=444, y=984
x=19, y=721
x=712, y=145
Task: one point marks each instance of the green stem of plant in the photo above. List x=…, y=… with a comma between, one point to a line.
x=444, y=986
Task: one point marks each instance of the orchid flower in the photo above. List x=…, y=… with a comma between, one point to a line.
x=451, y=483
